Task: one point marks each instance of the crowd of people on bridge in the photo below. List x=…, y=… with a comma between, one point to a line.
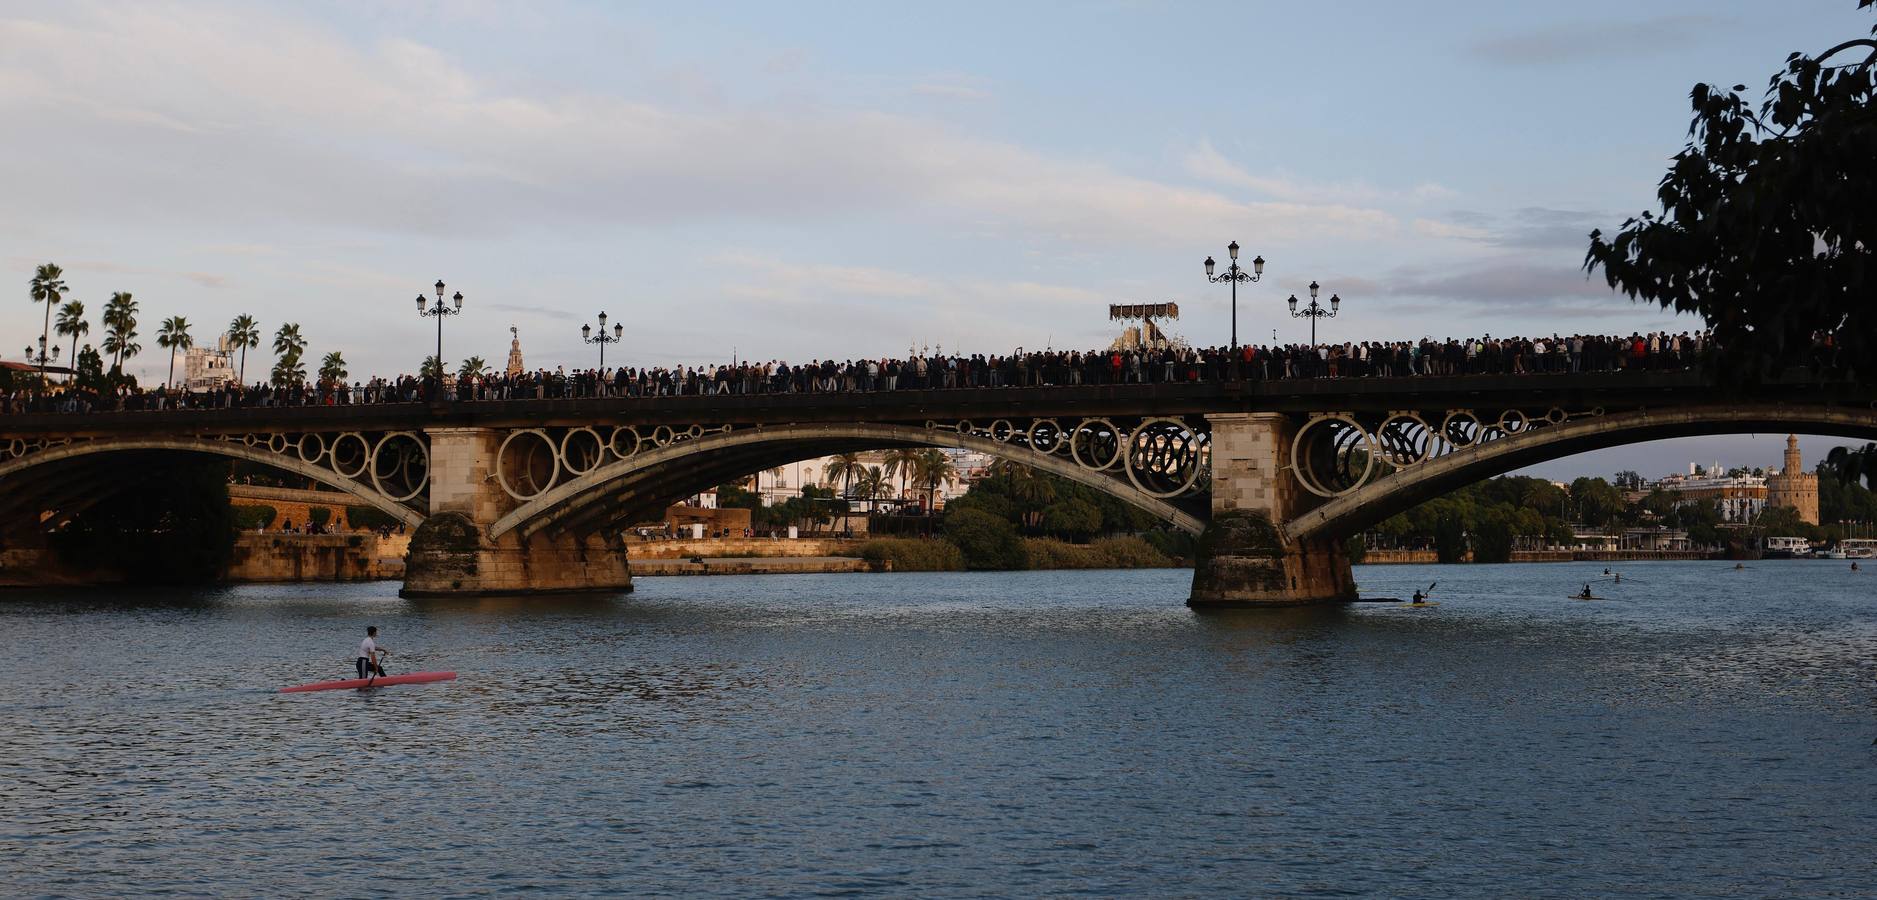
x=1358, y=359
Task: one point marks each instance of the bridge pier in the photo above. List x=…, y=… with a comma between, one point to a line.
x=1243, y=560
x=452, y=555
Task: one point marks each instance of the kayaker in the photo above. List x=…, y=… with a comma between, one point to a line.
x=1853, y=566
x=1586, y=594
x=1419, y=597
x=370, y=655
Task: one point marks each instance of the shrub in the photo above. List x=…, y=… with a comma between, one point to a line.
x=987, y=541
x=248, y=518
x=368, y=517
x=914, y=554
x=319, y=515
x=1073, y=519
x=1172, y=543
x=1110, y=553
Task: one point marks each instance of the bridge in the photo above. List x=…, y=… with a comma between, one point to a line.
x=526, y=496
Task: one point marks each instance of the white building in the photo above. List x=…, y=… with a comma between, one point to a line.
x=207, y=368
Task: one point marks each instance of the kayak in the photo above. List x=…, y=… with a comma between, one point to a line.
x=380, y=681
x=1582, y=597
x=1423, y=603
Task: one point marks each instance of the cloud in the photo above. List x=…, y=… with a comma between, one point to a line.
x=954, y=87
x=91, y=266
x=1526, y=228
x=170, y=113
x=1207, y=163
x=1563, y=43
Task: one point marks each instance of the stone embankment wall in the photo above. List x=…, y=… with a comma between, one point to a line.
x=740, y=547
x=774, y=565
x=317, y=557
x=291, y=505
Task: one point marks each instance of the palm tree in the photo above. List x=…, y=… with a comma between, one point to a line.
x=72, y=322
x=288, y=370
x=872, y=484
x=48, y=287
x=844, y=467
x=244, y=332
x=473, y=367
x=1028, y=486
x=288, y=340
x=902, y=462
x=120, y=329
x=332, y=368
x=933, y=469
x=173, y=336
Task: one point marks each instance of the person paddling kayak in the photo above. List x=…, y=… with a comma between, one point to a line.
x=370, y=655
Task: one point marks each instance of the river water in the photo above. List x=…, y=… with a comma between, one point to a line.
x=1703, y=732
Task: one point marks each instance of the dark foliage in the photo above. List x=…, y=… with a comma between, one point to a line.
x=1766, y=228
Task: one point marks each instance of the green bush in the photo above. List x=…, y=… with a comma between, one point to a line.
x=368, y=517
x=320, y=515
x=987, y=541
x=248, y=518
x=1172, y=543
x=1111, y=553
x=914, y=554
x=1075, y=519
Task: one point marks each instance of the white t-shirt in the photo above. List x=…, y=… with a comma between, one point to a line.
x=367, y=648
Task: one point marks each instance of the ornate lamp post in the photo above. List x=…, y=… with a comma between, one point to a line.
x=439, y=311
x=40, y=358
x=1313, y=312
x=1234, y=275
x=602, y=339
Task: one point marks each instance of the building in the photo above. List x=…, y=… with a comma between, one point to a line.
x=207, y=368
x=1739, y=498
x=1794, y=486
x=514, y=352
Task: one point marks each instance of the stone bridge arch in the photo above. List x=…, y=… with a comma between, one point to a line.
x=1397, y=491
x=69, y=475
x=642, y=484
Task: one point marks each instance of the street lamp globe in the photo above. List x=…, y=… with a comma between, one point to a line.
x=1232, y=248
x=459, y=299
x=1209, y=266
x=1335, y=302
x=1293, y=303
x=1313, y=290
x=439, y=290
x=421, y=302
x=1257, y=265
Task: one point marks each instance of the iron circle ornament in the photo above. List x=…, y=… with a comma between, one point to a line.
x=1002, y=431
x=319, y=444
x=346, y=461
x=541, y=474
x=663, y=436
x=411, y=469
x=1332, y=455
x=1165, y=457
x=1096, y=444
x=630, y=445
x=1513, y=421
x=1404, y=439
x=1462, y=428
x=581, y=450
x=1045, y=436
x=277, y=443
x=1556, y=415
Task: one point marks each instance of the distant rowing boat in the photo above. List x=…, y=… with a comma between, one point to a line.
x=381, y=681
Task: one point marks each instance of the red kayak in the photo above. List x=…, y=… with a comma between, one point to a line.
x=380, y=681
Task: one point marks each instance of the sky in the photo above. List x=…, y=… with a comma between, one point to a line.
x=806, y=180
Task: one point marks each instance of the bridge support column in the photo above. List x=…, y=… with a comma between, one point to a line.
x=452, y=554
x=1243, y=560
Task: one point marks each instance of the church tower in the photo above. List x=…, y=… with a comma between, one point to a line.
x=514, y=352
x=1794, y=486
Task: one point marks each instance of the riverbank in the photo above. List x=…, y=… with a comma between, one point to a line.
x=1429, y=557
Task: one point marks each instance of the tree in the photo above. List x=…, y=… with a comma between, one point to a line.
x=244, y=332
x=48, y=287
x=332, y=368
x=1629, y=480
x=289, y=340
x=872, y=485
x=72, y=323
x=1765, y=227
x=173, y=336
x=901, y=462
x=120, y=329
x=89, y=370
x=1075, y=519
x=933, y=469
x=288, y=371
x=473, y=367
x=1595, y=501
x=431, y=369
x=987, y=541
